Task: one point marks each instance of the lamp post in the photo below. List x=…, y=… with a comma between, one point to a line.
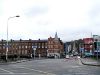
x=7, y=36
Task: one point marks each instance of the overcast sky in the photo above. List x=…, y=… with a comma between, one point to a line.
x=71, y=19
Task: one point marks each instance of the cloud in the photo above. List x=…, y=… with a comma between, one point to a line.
x=42, y=18
x=95, y=15
x=36, y=10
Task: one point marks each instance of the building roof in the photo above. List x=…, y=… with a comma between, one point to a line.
x=56, y=37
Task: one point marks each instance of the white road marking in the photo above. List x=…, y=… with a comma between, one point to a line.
x=79, y=60
x=47, y=73
x=75, y=66
x=6, y=71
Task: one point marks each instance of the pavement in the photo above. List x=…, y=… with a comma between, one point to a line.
x=14, y=62
x=18, y=61
x=90, y=61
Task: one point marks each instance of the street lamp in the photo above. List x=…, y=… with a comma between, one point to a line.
x=7, y=35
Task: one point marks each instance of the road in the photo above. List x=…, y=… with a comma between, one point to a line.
x=70, y=66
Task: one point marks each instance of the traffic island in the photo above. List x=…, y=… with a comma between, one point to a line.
x=89, y=63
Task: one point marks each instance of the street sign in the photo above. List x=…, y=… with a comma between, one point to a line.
x=98, y=43
x=7, y=45
x=81, y=49
x=34, y=46
x=98, y=46
x=96, y=37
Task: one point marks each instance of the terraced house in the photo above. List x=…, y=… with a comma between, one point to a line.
x=51, y=47
x=16, y=48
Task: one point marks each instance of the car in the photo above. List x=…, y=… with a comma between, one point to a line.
x=67, y=56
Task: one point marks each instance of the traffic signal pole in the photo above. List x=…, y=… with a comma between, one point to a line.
x=97, y=50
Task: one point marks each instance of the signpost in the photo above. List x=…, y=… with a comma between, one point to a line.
x=81, y=51
x=97, y=40
x=34, y=49
x=98, y=48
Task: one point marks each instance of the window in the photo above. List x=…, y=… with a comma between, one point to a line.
x=25, y=46
x=35, y=44
x=22, y=51
x=29, y=46
x=25, y=51
x=3, y=47
x=42, y=45
x=19, y=52
x=19, y=47
x=39, y=45
x=45, y=46
x=48, y=42
x=51, y=46
x=51, y=42
x=22, y=46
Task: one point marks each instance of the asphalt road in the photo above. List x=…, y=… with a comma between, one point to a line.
x=70, y=66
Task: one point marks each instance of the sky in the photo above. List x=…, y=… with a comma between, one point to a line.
x=71, y=19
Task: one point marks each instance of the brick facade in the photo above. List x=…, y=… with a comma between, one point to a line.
x=55, y=47
x=23, y=48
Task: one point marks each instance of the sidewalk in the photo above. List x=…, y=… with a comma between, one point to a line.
x=90, y=61
x=13, y=62
x=19, y=61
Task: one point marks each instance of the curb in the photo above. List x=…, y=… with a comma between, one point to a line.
x=6, y=63
x=89, y=64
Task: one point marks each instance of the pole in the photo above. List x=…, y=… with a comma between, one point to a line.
x=97, y=50
x=39, y=56
x=7, y=37
x=34, y=53
x=7, y=42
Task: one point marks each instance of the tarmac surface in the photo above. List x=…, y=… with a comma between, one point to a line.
x=71, y=66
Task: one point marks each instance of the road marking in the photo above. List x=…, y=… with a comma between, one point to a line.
x=38, y=71
x=75, y=66
x=6, y=71
x=79, y=61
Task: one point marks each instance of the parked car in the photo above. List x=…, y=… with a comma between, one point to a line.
x=67, y=56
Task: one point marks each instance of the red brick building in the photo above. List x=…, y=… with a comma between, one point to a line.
x=28, y=48
x=23, y=48
x=41, y=48
x=55, y=47
x=16, y=48
x=88, y=45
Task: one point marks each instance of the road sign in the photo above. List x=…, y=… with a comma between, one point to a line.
x=81, y=49
x=34, y=46
x=7, y=45
x=96, y=37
